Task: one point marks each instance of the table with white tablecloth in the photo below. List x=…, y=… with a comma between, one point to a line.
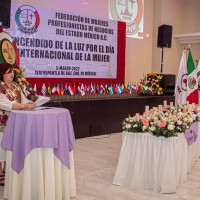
x=40, y=162
x=154, y=163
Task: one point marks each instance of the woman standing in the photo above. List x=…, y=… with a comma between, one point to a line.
x=11, y=98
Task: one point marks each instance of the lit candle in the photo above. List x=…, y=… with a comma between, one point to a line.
x=171, y=104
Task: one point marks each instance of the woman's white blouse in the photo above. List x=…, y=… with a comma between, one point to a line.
x=6, y=104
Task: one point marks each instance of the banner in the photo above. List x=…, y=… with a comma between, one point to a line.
x=131, y=12
x=58, y=44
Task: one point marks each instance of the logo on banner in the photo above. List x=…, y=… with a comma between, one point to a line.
x=27, y=19
x=129, y=11
x=184, y=82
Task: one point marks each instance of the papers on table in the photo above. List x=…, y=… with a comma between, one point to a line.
x=41, y=100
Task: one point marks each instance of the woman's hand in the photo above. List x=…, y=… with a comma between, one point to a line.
x=29, y=106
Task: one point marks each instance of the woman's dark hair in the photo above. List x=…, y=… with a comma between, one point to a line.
x=3, y=68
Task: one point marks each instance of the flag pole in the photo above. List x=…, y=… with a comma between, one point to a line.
x=162, y=60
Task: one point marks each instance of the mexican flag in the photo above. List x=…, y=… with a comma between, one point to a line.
x=146, y=89
x=198, y=76
x=192, y=82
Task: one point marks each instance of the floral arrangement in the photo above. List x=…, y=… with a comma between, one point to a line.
x=166, y=122
x=150, y=85
x=132, y=124
x=19, y=77
x=20, y=80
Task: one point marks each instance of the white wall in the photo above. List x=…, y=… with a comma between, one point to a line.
x=184, y=16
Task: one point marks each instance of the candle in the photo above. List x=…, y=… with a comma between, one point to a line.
x=165, y=103
x=184, y=110
x=193, y=106
x=137, y=116
x=171, y=104
x=155, y=108
x=146, y=111
x=189, y=108
x=152, y=111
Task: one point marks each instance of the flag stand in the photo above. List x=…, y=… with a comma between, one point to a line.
x=162, y=60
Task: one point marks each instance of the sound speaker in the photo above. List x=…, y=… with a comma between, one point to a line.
x=164, y=36
x=168, y=83
x=5, y=13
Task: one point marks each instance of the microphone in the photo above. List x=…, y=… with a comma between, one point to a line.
x=32, y=91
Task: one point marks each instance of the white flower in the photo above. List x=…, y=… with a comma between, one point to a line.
x=190, y=120
x=128, y=126
x=180, y=114
x=131, y=120
x=174, y=116
x=144, y=128
x=179, y=122
x=163, y=119
x=170, y=127
x=155, y=119
x=135, y=126
x=152, y=128
x=166, y=114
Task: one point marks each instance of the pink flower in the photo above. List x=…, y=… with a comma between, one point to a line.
x=145, y=122
x=167, y=111
x=162, y=124
x=181, y=119
x=184, y=110
x=196, y=110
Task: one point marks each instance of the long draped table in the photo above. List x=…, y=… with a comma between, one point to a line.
x=40, y=161
x=154, y=163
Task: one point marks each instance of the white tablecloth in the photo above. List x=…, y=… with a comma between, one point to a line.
x=44, y=177
x=149, y=162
